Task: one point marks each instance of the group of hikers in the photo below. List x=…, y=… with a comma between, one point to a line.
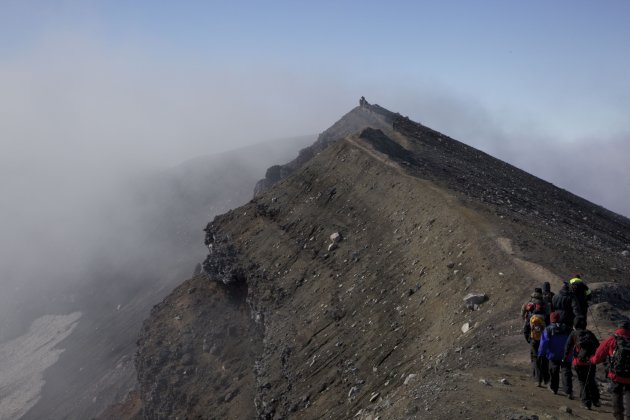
x=555, y=327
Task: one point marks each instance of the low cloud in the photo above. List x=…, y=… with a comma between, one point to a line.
x=79, y=119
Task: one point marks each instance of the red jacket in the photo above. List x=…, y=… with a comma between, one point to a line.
x=606, y=349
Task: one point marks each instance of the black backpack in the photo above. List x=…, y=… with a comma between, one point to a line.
x=587, y=344
x=620, y=361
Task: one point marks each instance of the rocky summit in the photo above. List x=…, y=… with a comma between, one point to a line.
x=379, y=275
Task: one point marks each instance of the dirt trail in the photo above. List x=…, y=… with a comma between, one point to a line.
x=538, y=273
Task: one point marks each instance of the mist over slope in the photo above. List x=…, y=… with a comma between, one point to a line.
x=344, y=278
x=146, y=238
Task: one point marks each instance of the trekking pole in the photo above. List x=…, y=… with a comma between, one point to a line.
x=588, y=376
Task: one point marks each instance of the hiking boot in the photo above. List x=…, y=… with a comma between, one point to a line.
x=586, y=405
x=570, y=396
x=597, y=404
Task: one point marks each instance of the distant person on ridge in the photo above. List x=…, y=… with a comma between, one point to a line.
x=581, y=346
x=565, y=303
x=552, y=345
x=582, y=294
x=547, y=296
x=616, y=349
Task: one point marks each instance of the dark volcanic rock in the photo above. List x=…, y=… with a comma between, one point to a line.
x=178, y=377
x=380, y=142
x=221, y=262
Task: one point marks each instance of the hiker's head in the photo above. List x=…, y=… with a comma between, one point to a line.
x=538, y=291
x=546, y=287
x=579, y=322
x=555, y=317
x=565, y=286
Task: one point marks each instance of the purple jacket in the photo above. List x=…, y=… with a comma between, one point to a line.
x=553, y=340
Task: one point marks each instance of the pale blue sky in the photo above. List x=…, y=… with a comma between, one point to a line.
x=534, y=57
x=537, y=83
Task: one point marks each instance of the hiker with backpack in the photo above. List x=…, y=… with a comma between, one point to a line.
x=582, y=294
x=528, y=309
x=540, y=365
x=616, y=349
x=580, y=346
x=552, y=344
x=534, y=304
x=565, y=303
x=536, y=298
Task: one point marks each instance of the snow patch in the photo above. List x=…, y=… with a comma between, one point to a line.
x=24, y=359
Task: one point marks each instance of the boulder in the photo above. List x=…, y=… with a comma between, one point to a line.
x=475, y=298
x=411, y=377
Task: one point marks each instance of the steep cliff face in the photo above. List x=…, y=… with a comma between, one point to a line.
x=151, y=243
x=338, y=292
x=200, y=353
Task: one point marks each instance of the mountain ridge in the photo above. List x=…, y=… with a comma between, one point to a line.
x=346, y=274
x=363, y=115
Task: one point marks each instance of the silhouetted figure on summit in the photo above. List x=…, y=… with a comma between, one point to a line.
x=363, y=102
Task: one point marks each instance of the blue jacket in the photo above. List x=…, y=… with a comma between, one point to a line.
x=553, y=341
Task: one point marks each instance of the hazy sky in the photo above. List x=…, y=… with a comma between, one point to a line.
x=162, y=81
x=92, y=91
